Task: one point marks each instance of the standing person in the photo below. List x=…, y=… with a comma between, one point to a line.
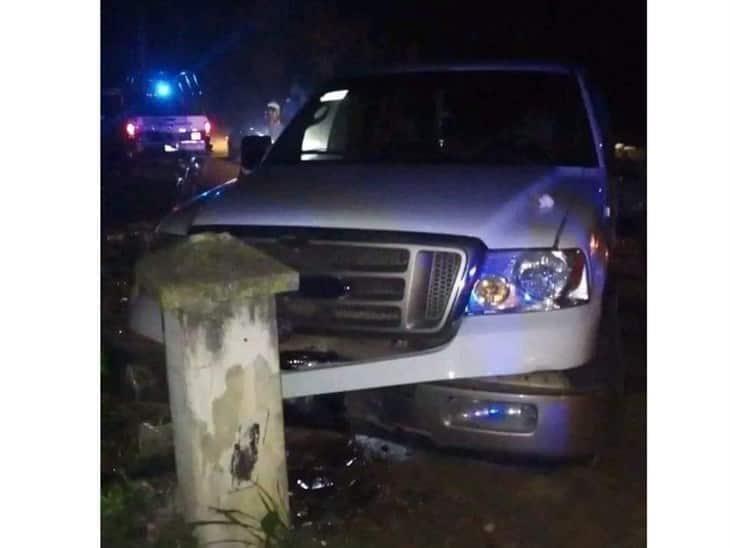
x=273, y=120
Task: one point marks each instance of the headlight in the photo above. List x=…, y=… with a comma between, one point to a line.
x=531, y=280
x=542, y=276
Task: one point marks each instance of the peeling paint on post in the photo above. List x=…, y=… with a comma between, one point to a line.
x=221, y=346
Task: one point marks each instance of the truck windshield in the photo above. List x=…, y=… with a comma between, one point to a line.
x=491, y=117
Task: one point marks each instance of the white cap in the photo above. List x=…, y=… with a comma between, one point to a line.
x=274, y=105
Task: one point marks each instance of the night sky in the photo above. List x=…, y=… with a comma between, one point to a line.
x=250, y=50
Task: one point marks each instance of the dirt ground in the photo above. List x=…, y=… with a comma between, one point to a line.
x=443, y=499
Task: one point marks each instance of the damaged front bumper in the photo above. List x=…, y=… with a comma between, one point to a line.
x=536, y=419
x=520, y=379
x=487, y=346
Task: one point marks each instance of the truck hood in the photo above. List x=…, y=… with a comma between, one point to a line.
x=504, y=207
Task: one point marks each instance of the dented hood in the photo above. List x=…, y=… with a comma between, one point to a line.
x=504, y=207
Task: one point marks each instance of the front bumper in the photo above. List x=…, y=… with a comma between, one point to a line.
x=573, y=406
x=483, y=347
x=568, y=423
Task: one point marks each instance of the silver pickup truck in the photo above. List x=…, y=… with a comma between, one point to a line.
x=452, y=228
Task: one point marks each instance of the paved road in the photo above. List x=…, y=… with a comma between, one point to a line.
x=220, y=170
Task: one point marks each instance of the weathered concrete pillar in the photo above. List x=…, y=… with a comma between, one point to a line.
x=217, y=296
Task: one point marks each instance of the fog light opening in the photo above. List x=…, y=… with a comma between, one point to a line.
x=494, y=416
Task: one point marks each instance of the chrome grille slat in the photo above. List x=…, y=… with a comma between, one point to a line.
x=308, y=313
x=354, y=273
x=339, y=257
x=347, y=302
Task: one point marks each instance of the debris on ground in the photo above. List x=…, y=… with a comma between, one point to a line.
x=381, y=449
x=328, y=479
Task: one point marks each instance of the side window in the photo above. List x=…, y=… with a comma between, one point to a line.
x=317, y=135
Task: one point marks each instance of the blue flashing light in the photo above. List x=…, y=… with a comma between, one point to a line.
x=162, y=89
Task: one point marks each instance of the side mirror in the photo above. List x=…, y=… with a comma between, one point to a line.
x=253, y=148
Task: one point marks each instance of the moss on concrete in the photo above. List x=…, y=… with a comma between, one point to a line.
x=205, y=270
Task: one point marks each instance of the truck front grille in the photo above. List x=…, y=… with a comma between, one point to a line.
x=399, y=288
x=366, y=281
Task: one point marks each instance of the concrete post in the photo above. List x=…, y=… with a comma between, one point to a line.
x=217, y=296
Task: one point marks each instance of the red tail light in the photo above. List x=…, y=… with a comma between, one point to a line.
x=131, y=130
x=206, y=127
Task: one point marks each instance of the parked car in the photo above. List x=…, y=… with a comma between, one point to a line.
x=452, y=228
